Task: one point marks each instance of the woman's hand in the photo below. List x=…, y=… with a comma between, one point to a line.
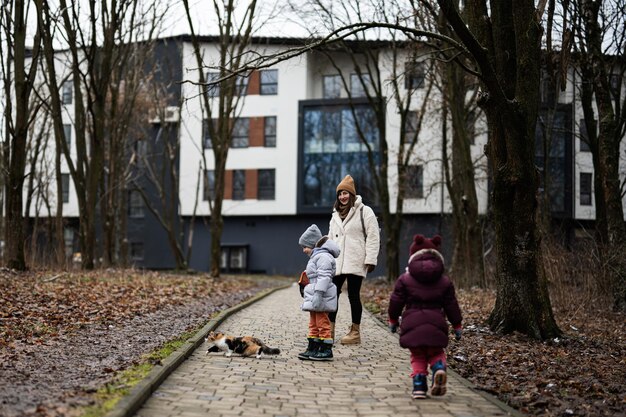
x=370, y=267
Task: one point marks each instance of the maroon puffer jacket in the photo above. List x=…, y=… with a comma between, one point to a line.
x=427, y=294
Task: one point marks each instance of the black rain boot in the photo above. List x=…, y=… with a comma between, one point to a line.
x=325, y=352
x=310, y=350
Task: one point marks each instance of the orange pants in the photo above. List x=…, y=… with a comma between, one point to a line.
x=319, y=326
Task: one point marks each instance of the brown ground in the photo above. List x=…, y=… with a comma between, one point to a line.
x=582, y=373
x=64, y=336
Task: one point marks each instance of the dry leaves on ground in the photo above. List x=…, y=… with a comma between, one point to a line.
x=62, y=336
x=582, y=373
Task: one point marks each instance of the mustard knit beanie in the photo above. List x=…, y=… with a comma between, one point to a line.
x=347, y=184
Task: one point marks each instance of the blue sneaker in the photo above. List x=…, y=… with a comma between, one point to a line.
x=420, y=387
x=439, y=379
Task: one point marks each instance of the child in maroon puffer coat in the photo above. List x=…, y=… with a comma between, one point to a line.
x=424, y=296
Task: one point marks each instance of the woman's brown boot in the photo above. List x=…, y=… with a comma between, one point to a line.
x=353, y=337
x=332, y=331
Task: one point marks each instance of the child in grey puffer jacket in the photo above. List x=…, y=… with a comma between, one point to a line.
x=320, y=295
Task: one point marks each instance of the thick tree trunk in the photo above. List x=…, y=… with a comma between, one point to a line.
x=522, y=303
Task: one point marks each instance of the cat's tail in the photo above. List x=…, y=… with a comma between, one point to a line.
x=270, y=351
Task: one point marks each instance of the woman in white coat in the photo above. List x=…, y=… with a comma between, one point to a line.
x=354, y=228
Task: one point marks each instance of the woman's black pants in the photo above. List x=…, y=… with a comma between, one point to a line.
x=354, y=295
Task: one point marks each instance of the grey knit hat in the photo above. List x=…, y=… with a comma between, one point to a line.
x=310, y=237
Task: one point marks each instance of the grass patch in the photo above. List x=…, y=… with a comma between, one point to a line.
x=108, y=396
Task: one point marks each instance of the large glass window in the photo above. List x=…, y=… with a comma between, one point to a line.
x=266, y=184
x=334, y=140
x=268, y=82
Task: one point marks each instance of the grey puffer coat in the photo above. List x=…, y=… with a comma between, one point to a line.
x=321, y=270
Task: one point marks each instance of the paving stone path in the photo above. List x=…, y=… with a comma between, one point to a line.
x=371, y=379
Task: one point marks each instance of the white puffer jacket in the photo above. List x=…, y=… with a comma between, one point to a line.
x=357, y=250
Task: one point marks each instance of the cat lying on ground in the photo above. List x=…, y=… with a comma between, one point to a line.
x=245, y=345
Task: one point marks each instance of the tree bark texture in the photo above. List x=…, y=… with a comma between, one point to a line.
x=506, y=48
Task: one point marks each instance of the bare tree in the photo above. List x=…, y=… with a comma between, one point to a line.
x=18, y=85
x=221, y=99
x=98, y=51
x=504, y=39
x=600, y=38
x=459, y=91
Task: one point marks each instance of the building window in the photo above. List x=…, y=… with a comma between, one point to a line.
x=136, y=251
x=242, y=85
x=585, y=189
x=67, y=132
x=410, y=126
x=547, y=91
x=241, y=130
x=333, y=146
x=414, y=75
x=360, y=85
x=414, y=181
x=68, y=238
x=551, y=158
x=269, y=82
x=213, y=89
x=331, y=86
x=239, y=184
x=266, y=184
x=234, y=258
x=65, y=187
x=270, y=132
x=470, y=126
x=67, y=92
x=206, y=135
x=135, y=204
x=584, y=136
x=209, y=185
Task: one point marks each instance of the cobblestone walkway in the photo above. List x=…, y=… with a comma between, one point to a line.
x=371, y=379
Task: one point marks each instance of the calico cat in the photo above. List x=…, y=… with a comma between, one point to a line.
x=245, y=345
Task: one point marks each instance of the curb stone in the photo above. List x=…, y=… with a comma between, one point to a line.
x=139, y=394
x=491, y=398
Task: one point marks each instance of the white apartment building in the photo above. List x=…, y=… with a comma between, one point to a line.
x=295, y=138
